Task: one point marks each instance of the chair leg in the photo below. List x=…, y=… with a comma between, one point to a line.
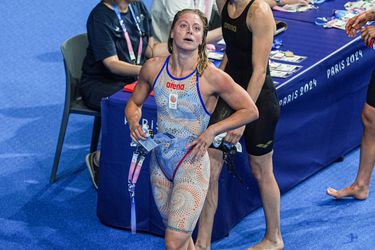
x=95, y=134
x=60, y=142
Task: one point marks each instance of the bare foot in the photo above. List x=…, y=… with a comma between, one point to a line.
x=355, y=191
x=268, y=245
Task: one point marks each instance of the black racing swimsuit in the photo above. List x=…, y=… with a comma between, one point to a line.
x=259, y=134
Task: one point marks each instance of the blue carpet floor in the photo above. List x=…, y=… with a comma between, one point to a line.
x=37, y=215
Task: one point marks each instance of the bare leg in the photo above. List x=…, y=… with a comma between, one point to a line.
x=360, y=187
x=178, y=240
x=189, y=193
x=262, y=169
x=191, y=244
x=161, y=189
x=206, y=220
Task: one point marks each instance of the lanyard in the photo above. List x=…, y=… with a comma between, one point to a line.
x=126, y=34
x=143, y=148
x=134, y=170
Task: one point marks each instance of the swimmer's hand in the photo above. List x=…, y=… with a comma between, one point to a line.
x=200, y=145
x=136, y=133
x=234, y=136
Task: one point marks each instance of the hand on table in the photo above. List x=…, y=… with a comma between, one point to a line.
x=354, y=24
x=367, y=34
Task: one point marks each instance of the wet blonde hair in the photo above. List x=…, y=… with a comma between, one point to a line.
x=202, y=51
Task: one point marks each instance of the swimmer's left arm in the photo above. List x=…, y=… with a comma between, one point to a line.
x=237, y=98
x=221, y=84
x=262, y=24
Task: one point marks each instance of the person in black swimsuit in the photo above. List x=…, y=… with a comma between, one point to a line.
x=248, y=30
x=360, y=187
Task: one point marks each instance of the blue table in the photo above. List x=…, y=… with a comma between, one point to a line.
x=320, y=121
x=325, y=9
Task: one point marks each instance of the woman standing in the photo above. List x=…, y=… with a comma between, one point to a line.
x=186, y=87
x=248, y=28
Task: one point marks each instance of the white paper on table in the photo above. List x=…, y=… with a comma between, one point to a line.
x=281, y=56
x=284, y=67
x=280, y=74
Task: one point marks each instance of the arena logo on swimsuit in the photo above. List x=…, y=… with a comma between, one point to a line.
x=171, y=85
x=229, y=26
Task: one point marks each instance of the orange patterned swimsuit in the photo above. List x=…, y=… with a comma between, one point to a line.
x=179, y=183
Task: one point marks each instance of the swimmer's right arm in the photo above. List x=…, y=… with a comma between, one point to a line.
x=133, y=110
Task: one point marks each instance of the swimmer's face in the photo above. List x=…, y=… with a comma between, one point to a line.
x=188, y=31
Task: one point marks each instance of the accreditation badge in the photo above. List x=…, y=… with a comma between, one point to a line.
x=173, y=99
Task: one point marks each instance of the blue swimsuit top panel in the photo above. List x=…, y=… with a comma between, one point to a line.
x=180, y=108
x=181, y=113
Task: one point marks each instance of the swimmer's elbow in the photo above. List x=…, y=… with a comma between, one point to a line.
x=253, y=113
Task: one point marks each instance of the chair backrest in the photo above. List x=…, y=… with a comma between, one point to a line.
x=74, y=52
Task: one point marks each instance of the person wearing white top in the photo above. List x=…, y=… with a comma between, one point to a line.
x=163, y=11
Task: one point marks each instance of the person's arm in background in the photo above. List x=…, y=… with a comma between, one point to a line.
x=261, y=22
x=156, y=49
x=220, y=5
x=273, y=3
x=224, y=62
x=354, y=24
x=118, y=67
x=215, y=35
